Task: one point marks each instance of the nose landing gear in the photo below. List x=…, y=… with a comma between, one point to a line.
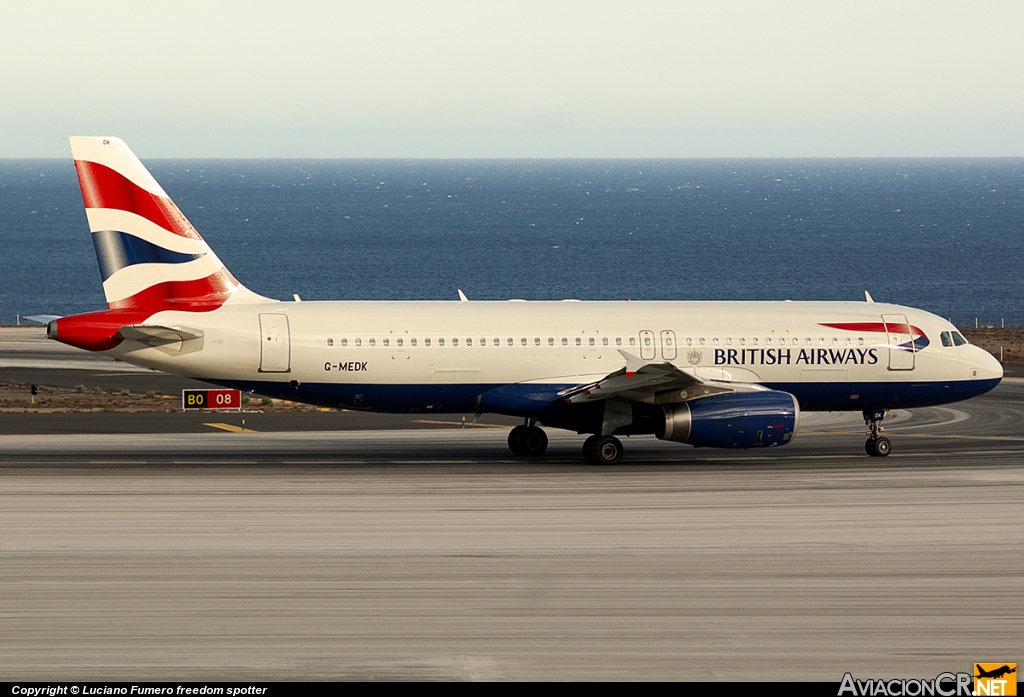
x=876, y=445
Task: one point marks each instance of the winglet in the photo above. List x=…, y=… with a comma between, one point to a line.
x=633, y=363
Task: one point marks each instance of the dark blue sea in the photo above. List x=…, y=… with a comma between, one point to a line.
x=940, y=234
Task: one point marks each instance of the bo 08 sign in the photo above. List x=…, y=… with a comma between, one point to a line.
x=211, y=399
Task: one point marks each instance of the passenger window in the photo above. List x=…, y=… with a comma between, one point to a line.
x=330, y=342
x=632, y=341
x=728, y=341
x=551, y=341
x=412, y=341
x=399, y=341
x=565, y=342
x=509, y=341
x=579, y=341
x=536, y=341
x=689, y=341
x=373, y=342
x=591, y=341
x=604, y=341
x=426, y=342
x=344, y=342
x=497, y=342
x=359, y=342
x=522, y=340
x=947, y=340
x=455, y=342
x=860, y=341
x=483, y=341
x=440, y=341
x=618, y=341
x=701, y=341
x=387, y=342
x=469, y=341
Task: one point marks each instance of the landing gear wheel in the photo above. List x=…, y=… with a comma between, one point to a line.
x=878, y=447
x=529, y=441
x=532, y=441
x=603, y=450
x=513, y=439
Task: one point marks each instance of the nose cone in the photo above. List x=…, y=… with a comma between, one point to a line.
x=988, y=367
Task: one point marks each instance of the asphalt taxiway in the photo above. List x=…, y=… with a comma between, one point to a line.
x=176, y=550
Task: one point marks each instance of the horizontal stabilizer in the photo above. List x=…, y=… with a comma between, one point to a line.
x=42, y=319
x=154, y=335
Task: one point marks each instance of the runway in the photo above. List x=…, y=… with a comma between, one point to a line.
x=406, y=554
x=356, y=546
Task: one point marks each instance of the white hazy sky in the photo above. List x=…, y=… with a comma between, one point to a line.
x=717, y=78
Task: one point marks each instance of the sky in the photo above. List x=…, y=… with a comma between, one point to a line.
x=722, y=78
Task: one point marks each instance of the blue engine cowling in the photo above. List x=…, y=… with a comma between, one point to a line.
x=739, y=420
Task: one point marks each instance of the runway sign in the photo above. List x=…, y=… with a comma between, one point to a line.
x=211, y=399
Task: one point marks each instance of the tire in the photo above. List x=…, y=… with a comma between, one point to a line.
x=883, y=446
x=513, y=439
x=608, y=450
x=532, y=441
x=588, y=450
x=878, y=447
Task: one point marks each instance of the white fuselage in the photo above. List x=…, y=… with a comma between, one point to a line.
x=385, y=348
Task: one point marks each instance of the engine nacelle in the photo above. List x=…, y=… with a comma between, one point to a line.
x=738, y=420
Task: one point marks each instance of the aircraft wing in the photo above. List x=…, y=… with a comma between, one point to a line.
x=655, y=383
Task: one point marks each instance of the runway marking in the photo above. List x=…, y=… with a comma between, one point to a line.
x=117, y=462
x=323, y=462
x=1015, y=439
x=109, y=375
x=225, y=461
x=458, y=423
x=231, y=427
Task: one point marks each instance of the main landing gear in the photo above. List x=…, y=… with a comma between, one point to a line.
x=602, y=450
x=528, y=440
x=876, y=445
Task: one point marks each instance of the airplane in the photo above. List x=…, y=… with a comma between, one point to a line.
x=995, y=673
x=708, y=374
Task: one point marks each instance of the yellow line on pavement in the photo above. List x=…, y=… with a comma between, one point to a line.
x=458, y=423
x=231, y=427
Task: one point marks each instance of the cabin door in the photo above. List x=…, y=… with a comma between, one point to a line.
x=902, y=350
x=275, y=344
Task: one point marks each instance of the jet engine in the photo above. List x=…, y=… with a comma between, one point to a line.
x=738, y=420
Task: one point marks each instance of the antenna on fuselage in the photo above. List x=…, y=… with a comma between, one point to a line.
x=462, y=296
x=868, y=298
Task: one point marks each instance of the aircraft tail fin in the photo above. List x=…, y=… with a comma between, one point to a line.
x=150, y=256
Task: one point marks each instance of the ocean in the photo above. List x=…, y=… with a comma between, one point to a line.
x=944, y=235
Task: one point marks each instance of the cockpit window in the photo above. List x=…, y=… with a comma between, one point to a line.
x=947, y=340
x=958, y=339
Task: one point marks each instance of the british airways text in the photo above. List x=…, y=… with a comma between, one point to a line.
x=808, y=356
